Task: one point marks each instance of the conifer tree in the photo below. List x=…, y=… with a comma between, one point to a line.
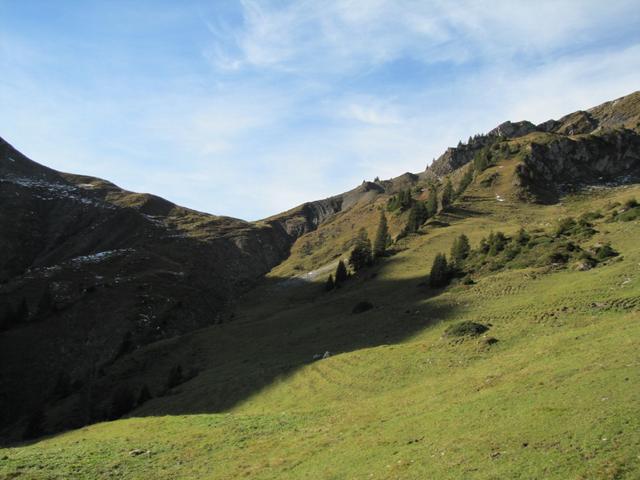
x=417, y=216
x=440, y=274
x=361, y=255
x=382, y=237
x=460, y=249
x=447, y=195
x=465, y=181
x=432, y=201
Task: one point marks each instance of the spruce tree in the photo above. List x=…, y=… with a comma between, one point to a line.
x=417, y=216
x=460, y=249
x=361, y=255
x=382, y=237
x=440, y=274
x=341, y=274
x=432, y=201
x=447, y=195
x=465, y=181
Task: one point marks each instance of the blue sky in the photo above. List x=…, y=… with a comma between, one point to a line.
x=247, y=108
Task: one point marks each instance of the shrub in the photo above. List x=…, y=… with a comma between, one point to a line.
x=605, y=251
x=522, y=238
x=466, y=328
x=361, y=307
x=629, y=215
x=565, y=226
x=631, y=203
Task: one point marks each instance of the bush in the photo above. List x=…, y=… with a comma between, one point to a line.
x=466, y=328
x=629, y=215
x=361, y=307
x=631, y=203
x=605, y=251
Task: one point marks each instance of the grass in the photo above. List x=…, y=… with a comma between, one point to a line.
x=555, y=398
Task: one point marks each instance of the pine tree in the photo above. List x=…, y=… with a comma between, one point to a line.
x=465, y=181
x=497, y=241
x=432, y=201
x=460, y=249
x=447, y=195
x=440, y=273
x=361, y=255
x=417, y=216
x=382, y=237
x=341, y=274
x=330, y=285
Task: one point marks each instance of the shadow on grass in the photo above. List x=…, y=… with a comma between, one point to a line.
x=276, y=330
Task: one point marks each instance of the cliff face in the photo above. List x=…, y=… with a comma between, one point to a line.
x=564, y=163
x=621, y=113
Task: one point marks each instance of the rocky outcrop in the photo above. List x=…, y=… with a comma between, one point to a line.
x=564, y=163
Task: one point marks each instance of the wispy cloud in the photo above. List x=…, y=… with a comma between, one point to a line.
x=247, y=108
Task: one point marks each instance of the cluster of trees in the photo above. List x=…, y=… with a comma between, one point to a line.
x=401, y=201
x=363, y=253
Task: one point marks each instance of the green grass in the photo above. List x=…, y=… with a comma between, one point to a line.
x=555, y=398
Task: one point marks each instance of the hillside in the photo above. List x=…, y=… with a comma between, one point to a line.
x=549, y=391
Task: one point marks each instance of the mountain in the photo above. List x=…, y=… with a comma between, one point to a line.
x=109, y=292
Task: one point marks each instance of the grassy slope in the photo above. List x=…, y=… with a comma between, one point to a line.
x=556, y=397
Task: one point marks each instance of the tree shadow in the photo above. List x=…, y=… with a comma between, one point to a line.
x=276, y=330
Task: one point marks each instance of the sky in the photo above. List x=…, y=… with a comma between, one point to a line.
x=247, y=108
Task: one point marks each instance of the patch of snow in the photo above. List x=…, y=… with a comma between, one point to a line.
x=45, y=190
x=11, y=159
x=86, y=185
x=499, y=198
x=100, y=256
